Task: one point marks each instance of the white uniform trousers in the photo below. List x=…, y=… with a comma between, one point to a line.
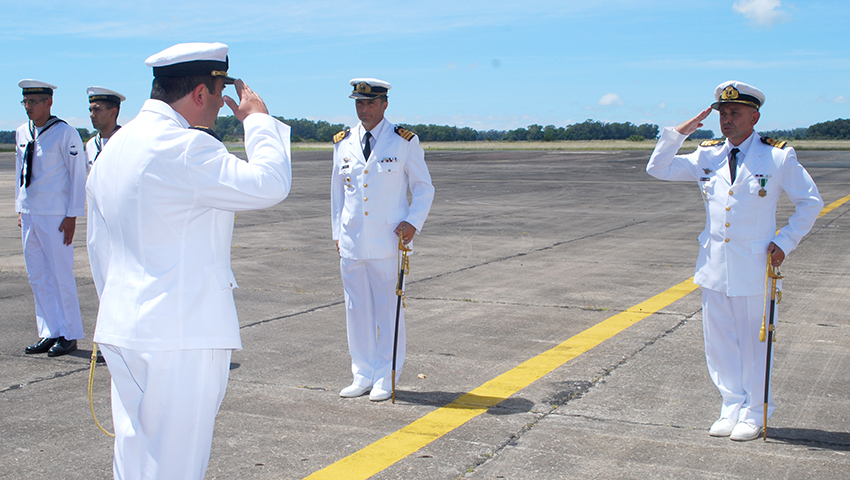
x=370, y=308
x=164, y=405
x=735, y=356
x=50, y=268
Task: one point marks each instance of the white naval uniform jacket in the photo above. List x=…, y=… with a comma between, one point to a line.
x=369, y=196
x=739, y=223
x=58, y=181
x=163, y=199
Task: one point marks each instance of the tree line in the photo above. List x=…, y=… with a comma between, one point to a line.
x=230, y=129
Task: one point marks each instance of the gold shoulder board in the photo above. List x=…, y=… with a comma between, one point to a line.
x=405, y=133
x=710, y=143
x=774, y=142
x=341, y=135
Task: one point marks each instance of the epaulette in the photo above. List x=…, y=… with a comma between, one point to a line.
x=206, y=130
x=342, y=135
x=404, y=133
x=710, y=143
x=773, y=142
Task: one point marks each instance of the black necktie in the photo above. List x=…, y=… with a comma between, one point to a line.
x=367, y=149
x=733, y=164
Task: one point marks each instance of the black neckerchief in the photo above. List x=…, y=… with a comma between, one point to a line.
x=98, y=142
x=26, y=168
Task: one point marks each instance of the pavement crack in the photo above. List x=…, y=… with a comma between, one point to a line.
x=290, y=315
x=578, y=389
x=33, y=382
x=528, y=252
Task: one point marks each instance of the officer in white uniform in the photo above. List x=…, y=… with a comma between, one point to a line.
x=740, y=181
x=374, y=165
x=49, y=196
x=163, y=194
x=104, y=107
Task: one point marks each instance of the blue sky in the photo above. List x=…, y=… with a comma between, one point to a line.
x=499, y=65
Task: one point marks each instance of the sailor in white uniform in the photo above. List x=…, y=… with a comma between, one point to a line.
x=104, y=107
x=49, y=196
x=163, y=194
x=740, y=181
x=375, y=164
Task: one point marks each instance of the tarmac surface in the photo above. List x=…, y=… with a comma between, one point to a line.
x=521, y=252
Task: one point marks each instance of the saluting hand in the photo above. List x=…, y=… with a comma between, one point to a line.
x=693, y=124
x=249, y=102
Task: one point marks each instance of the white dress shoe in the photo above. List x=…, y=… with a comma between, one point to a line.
x=354, y=390
x=379, y=395
x=722, y=428
x=745, y=431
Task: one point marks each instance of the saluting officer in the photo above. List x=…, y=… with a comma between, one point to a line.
x=104, y=107
x=374, y=165
x=163, y=193
x=740, y=181
x=49, y=196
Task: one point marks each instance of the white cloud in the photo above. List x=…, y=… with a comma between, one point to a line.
x=610, y=99
x=662, y=105
x=839, y=99
x=765, y=13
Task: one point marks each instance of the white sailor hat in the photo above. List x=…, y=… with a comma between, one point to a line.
x=99, y=93
x=369, y=88
x=30, y=86
x=189, y=59
x=734, y=91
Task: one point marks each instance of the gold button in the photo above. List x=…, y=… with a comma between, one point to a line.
x=345, y=159
x=731, y=192
x=728, y=208
x=727, y=240
x=365, y=199
x=727, y=224
x=348, y=179
x=389, y=170
x=231, y=284
x=367, y=213
x=365, y=171
x=365, y=185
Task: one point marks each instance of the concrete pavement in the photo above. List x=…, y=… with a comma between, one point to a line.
x=522, y=251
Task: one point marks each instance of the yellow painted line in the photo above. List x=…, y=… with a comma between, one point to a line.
x=380, y=455
x=832, y=206
x=398, y=445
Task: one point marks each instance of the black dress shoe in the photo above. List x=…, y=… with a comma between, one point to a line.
x=62, y=347
x=42, y=346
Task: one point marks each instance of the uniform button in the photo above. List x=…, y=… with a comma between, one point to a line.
x=365, y=185
x=728, y=208
x=727, y=224
x=365, y=199
x=231, y=284
x=389, y=170
x=365, y=172
x=727, y=240
x=348, y=179
x=731, y=192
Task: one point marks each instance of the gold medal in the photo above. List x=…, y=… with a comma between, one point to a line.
x=762, y=192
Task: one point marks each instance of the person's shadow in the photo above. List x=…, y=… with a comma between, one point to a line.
x=810, y=437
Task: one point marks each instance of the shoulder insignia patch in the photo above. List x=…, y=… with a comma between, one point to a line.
x=773, y=142
x=404, y=133
x=342, y=135
x=710, y=143
x=206, y=130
